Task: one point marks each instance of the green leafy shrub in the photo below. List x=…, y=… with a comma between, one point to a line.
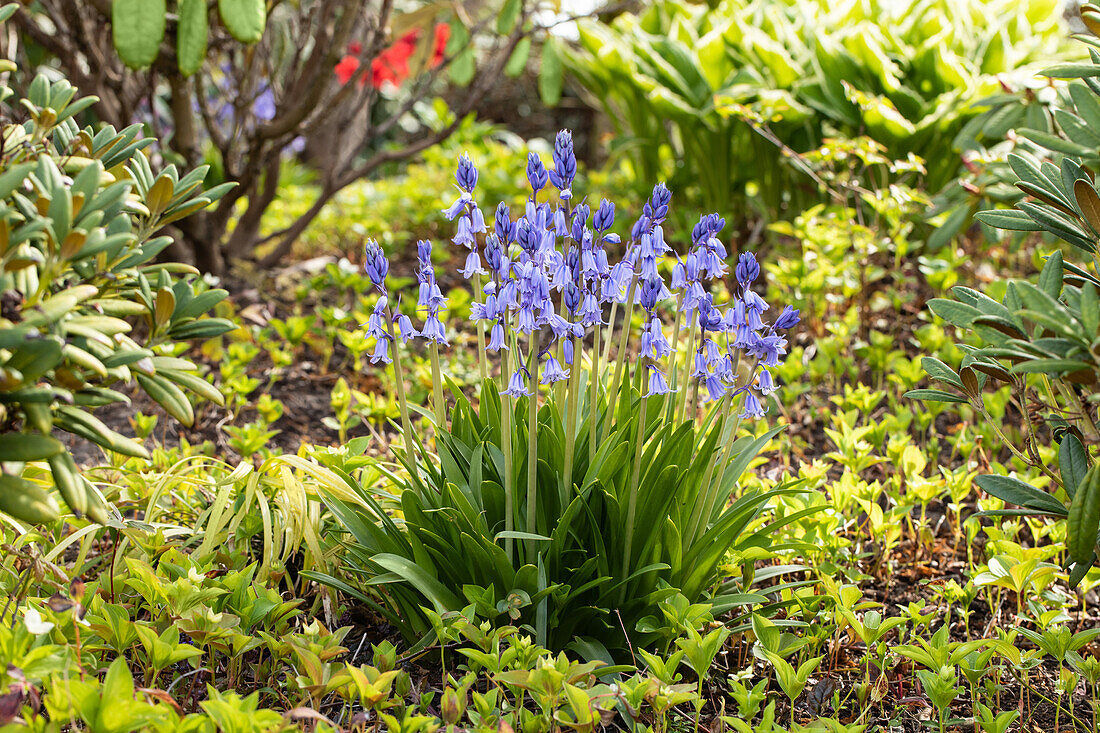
x=689, y=86
x=85, y=308
x=247, y=85
x=1042, y=339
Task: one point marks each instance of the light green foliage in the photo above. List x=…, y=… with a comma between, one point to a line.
x=688, y=82
x=79, y=214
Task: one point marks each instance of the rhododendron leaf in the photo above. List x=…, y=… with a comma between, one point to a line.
x=462, y=68
x=244, y=19
x=137, y=28
x=191, y=35
x=550, y=74
x=517, y=62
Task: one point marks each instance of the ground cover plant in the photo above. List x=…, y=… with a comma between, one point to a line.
x=559, y=463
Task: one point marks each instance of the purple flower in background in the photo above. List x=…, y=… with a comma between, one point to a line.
x=649, y=291
x=433, y=329
x=503, y=225
x=263, y=107
x=605, y=216
x=405, y=328
x=657, y=383
x=472, y=265
x=716, y=388
x=381, y=351
x=767, y=348
x=459, y=204
x=571, y=297
x=495, y=257
x=377, y=330
x=466, y=180
x=553, y=372
x=765, y=383
x=580, y=222
x=708, y=248
x=711, y=366
x=496, y=338
x=470, y=219
x=656, y=209
x=653, y=344
x=754, y=307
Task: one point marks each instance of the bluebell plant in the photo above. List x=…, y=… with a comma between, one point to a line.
x=549, y=298
x=550, y=284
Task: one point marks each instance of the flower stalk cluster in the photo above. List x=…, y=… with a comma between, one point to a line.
x=543, y=290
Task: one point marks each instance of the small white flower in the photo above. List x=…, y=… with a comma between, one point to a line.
x=32, y=619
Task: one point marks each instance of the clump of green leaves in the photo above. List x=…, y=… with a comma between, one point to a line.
x=84, y=308
x=1042, y=339
x=691, y=86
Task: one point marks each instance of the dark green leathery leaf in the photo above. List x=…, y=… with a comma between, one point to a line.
x=1084, y=518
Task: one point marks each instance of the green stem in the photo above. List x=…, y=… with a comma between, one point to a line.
x=403, y=405
x=621, y=356
x=437, y=388
x=675, y=358
x=506, y=411
x=681, y=408
x=532, y=443
x=635, y=476
x=571, y=421
x=594, y=397
x=481, y=353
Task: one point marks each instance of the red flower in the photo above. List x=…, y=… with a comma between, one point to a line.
x=346, y=69
x=442, y=35
x=392, y=65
